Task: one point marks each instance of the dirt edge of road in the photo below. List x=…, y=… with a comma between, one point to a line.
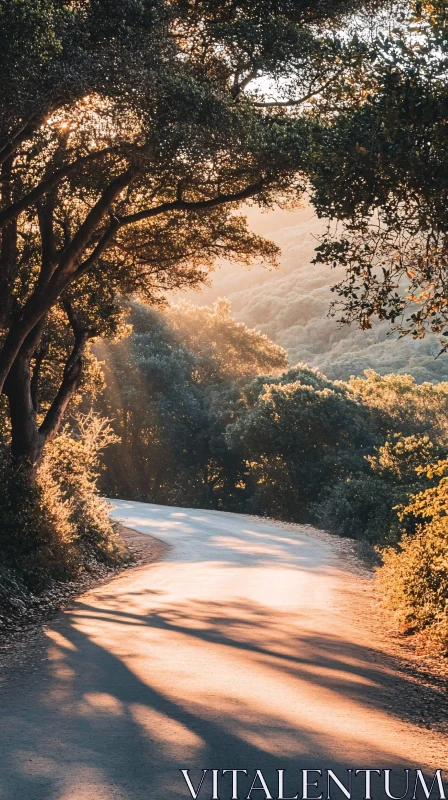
x=143, y=548
x=17, y=641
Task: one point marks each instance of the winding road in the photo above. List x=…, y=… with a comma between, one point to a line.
x=247, y=647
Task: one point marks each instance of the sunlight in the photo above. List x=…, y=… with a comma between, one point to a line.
x=103, y=702
x=176, y=740
x=244, y=647
x=59, y=639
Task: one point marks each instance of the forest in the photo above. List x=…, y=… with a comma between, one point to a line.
x=291, y=306
x=134, y=136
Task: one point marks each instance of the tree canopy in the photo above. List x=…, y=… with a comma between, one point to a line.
x=382, y=171
x=129, y=133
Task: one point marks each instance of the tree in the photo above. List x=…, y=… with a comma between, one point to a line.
x=129, y=132
x=385, y=177
x=172, y=388
x=297, y=437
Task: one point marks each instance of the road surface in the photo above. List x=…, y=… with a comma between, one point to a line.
x=242, y=649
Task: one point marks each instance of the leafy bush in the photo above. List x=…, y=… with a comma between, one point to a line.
x=51, y=529
x=360, y=507
x=414, y=575
x=36, y=536
x=72, y=463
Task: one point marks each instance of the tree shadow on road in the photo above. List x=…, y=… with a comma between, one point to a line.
x=88, y=726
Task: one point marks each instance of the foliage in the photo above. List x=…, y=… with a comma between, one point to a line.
x=204, y=420
x=72, y=464
x=171, y=390
x=296, y=439
x=364, y=504
x=400, y=457
x=382, y=171
x=414, y=576
x=58, y=526
x=238, y=351
x=361, y=507
x=36, y=541
x=129, y=135
x=398, y=404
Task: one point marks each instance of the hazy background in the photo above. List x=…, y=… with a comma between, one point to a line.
x=291, y=304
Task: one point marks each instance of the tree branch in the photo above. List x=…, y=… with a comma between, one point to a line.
x=300, y=100
x=34, y=386
x=46, y=294
x=198, y=205
x=85, y=231
x=70, y=383
x=100, y=247
x=44, y=186
x=45, y=215
x=8, y=247
x=239, y=87
x=22, y=133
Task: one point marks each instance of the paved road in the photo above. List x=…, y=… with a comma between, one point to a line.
x=237, y=651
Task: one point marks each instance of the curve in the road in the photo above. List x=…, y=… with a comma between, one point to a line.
x=237, y=651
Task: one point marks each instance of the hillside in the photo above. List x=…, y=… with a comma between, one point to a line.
x=291, y=306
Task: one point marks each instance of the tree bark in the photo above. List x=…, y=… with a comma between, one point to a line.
x=26, y=441
x=27, y=438
x=69, y=385
x=8, y=248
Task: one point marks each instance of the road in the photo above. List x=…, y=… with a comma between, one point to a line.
x=246, y=647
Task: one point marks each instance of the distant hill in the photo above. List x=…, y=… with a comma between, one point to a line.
x=291, y=305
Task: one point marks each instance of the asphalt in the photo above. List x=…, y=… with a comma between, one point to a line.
x=247, y=647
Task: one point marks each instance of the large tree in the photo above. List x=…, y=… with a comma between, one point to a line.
x=382, y=171
x=129, y=133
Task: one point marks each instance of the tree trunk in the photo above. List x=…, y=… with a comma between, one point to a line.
x=27, y=438
x=26, y=441
x=8, y=249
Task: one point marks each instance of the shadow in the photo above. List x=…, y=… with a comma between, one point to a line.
x=88, y=726
x=362, y=673
x=137, y=682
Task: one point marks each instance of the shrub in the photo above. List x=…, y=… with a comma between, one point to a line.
x=59, y=525
x=72, y=463
x=360, y=507
x=36, y=536
x=414, y=575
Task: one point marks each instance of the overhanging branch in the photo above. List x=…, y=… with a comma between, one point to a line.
x=299, y=100
x=49, y=183
x=198, y=205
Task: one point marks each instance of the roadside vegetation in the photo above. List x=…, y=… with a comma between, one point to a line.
x=56, y=529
